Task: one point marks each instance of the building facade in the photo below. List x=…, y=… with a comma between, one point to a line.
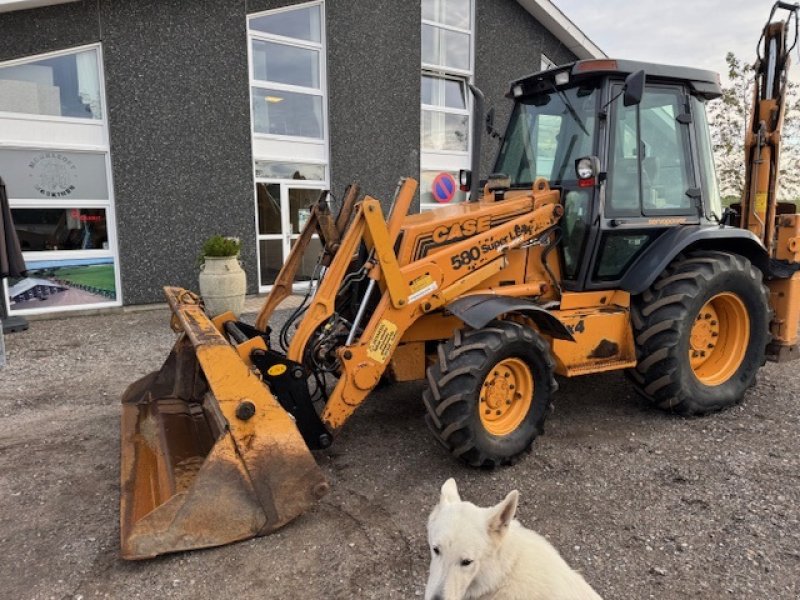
x=130, y=131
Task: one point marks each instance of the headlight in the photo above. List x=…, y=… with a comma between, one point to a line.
x=517, y=91
x=584, y=168
x=562, y=77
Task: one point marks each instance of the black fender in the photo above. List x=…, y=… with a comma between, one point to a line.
x=478, y=310
x=655, y=258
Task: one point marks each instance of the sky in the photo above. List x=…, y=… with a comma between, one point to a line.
x=681, y=32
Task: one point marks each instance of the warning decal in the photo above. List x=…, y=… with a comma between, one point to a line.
x=421, y=287
x=761, y=202
x=380, y=346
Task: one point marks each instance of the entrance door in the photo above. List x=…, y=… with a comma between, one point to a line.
x=282, y=213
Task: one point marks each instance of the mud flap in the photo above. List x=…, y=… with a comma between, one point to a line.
x=209, y=456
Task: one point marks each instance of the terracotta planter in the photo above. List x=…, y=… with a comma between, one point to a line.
x=223, y=283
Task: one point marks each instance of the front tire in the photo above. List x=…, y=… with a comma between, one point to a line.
x=489, y=393
x=701, y=333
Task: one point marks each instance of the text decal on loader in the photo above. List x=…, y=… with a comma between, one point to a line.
x=380, y=346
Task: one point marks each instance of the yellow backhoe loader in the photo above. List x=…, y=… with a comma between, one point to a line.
x=599, y=244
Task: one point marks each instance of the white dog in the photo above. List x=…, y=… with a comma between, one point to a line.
x=483, y=553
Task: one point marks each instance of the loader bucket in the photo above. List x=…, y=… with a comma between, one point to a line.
x=209, y=456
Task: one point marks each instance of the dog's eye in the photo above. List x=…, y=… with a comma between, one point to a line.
x=436, y=550
x=466, y=562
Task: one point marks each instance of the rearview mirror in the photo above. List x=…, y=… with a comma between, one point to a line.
x=634, y=88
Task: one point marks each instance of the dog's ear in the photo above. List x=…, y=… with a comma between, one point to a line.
x=449, y=492
x=502, y=514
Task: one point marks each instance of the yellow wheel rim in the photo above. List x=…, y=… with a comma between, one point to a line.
x=719, y=339
x=506, y=396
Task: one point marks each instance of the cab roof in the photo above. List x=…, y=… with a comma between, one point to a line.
x=703, y=83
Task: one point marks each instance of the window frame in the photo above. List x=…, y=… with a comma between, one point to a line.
x=688, y=143
x=109, y=204
x=448, y=160
x=321, y=92
x=283, y=148
x=26, y=60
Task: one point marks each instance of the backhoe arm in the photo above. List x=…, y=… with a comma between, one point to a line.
x=763, y=138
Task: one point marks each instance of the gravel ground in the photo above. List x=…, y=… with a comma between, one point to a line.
x=646, y=505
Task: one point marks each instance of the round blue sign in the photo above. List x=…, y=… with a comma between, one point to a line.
x=444, y=187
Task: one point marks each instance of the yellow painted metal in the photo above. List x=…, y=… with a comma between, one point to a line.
x=360, y=360
x=785, y=301
x=719, y=339
x=506, y=396
x=193, y=473
x=378, y=238
x=408, y=361
x=603, y=340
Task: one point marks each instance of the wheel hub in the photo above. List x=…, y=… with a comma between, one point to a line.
x=719, y=339
x=506, y=396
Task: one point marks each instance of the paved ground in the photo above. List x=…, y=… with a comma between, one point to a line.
x=644, y=504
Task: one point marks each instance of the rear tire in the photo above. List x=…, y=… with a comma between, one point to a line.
x=701, y=333
x=490, y=392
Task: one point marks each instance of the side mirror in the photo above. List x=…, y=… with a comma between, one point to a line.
x=490, y=121
x=634, y=88
x=465, y=180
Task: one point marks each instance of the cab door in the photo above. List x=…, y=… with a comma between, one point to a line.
x=651, y=179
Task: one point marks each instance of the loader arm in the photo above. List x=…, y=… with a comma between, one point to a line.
x=408, y=292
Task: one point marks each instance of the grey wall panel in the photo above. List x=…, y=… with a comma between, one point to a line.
x=509, y=43
x=177, y=88
x=27, y=32
x=373, y=91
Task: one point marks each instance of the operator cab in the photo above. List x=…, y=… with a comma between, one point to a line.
x=629, y=146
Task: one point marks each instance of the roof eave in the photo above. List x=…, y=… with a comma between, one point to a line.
x=12, y=5
x=569, y=34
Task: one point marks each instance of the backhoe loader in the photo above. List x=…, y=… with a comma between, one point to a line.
x=599, y=244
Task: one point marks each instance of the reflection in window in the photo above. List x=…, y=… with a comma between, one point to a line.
x=271, y=260
x=446, y=48
x=444, y=92
x=61, y=86
x=308, y=263
x=268, y=197
x=287, y=113
x=299, y=23
x=300, y=202
x=649, y=171
x=618, y=251
x=455, y=13
x=444, y=131
x=41, y=229
x=268, y=169
x=282, y=63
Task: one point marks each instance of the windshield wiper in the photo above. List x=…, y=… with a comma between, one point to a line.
x=573, y=113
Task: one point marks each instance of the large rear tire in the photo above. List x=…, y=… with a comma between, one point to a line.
x=701, y=333
x=489, y=393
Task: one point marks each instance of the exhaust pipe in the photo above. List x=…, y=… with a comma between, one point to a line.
x=478, y=110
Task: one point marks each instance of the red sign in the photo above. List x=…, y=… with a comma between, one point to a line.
x=444, y=188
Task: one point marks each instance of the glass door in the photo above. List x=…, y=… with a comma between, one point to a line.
x=283, y=210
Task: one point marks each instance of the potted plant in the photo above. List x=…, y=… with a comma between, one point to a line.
x=222, y=280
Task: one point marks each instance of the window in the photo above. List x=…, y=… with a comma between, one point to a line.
x=287, y=73
x=705, y=150
x=447, y=27
x=546, y=134
x=618, y=251
x=650, y=171
x=290, y=148
x=60, y=193
x=65, y=85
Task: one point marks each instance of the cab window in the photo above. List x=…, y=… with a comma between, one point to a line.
x=650, y=168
